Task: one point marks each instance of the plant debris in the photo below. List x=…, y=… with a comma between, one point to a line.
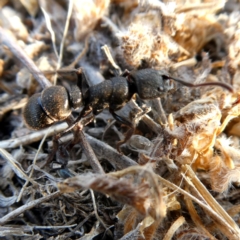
x=178, y=176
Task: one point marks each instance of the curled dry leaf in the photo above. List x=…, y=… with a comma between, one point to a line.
x=10, y=19
x=232, y=32
x=177, y=224
x=86, y=15
x=143, y=43
x=194, y=31
x=31, y=6
x=7, y=201
x=143, y=228
x=123, y=190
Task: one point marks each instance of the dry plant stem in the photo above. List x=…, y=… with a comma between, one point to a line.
x=109, y=153
x=231, y=234
x=21, y=231
x=50, y=29
x=161, y=113
x=197, y=6
x=195, y=217
x=13, y=105
x=33, y=164
x=186, y=63
x=79, y=226
x=60, y=55
x=70, y=8
x=31, y=228
x=151, y=124
x=95, y=209
x=208, y=197
x=15, y=231
x=32, y=137
x=110, y=58
x=27, y=206
x=54, y=227
x=96, y=166
x=233, y=211
x=84, y=51
x=107, y=22
x=175, y=226
x=14, y=166
x=22, y=56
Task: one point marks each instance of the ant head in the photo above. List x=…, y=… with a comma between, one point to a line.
x=150, y=83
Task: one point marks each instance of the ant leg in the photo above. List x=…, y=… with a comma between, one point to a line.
x=57, y=149
x=135, y=116
x=84, y=122
x=85, y=111
x=87, y=120
x=125, y=73
x=53, y=151
x=82, y=82
x=125, y=122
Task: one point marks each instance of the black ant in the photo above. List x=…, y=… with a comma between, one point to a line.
x=55, y=103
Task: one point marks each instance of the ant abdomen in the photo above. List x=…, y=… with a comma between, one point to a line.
x=44, y=109
x=55, y=102
x=33, y=114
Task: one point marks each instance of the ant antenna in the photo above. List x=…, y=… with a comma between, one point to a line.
x=220, y=84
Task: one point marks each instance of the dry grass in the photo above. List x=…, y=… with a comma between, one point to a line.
x=179, y=175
